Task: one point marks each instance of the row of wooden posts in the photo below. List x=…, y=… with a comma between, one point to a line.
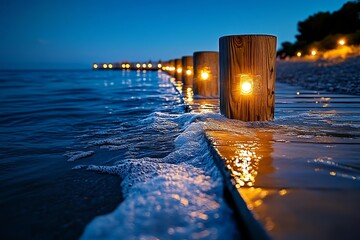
x=242, y=74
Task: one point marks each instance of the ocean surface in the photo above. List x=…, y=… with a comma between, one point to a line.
x=105, y=154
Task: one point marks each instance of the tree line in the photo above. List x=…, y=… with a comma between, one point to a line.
x=323, y=30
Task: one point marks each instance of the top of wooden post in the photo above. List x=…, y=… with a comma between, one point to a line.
x=206, y=52
x=249, y=35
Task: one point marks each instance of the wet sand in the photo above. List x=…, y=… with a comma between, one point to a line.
x=298, y=175
x=334, y=75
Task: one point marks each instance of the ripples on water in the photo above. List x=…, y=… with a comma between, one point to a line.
x=122, y=123
x=113, y=152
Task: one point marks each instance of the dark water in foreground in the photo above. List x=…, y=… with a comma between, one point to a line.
x=129, y=125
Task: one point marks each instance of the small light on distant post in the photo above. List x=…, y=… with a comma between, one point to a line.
x=179, y=70
x=313, y=52
x=110, y=65
x=167, y=68
x=95, y=66
x=127, y=65
x=298, y=54
x=144, y=65
x=123, y=65
x=341, y=42
x=138, y=65
x=105, y=65
x=204, y=75
x=159, y=65
x=188, y=72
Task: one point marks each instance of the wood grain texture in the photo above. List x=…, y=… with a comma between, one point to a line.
x=178, y=64
x=209, y=62
x=187, y=64
x=247, y=54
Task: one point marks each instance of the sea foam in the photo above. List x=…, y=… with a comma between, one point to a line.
x=179, y=196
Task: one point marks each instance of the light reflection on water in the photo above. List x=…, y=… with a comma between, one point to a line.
x=312, y=143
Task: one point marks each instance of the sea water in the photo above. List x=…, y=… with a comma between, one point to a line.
x=105, y=154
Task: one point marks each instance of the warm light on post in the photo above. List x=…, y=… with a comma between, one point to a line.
x=342, y=42
x=204, y=75
x=105, y=65
x=159, y=65
x=298, y=54
x=127, y=65
x=313, y=52
x=179, y=70
x=149, y=65
x=110, y=65
x=138, y=65
x=246, y=88
x=188, y=72
x=250, y=84
x=144, y=65
x=95, y=66
x=123, y=65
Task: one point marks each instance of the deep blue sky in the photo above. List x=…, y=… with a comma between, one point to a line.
x=72, y=34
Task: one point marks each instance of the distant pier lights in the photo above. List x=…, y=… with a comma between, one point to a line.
x=247, y=76
x=205, y=79
x=187, y=70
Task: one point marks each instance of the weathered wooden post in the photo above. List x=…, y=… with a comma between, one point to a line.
x=205, y=81
x=178, y=69
x=187, y=71
x=247, y=77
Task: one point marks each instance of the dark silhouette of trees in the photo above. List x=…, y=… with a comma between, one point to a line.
x=322, y=30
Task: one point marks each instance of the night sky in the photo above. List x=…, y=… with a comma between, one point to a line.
x=46, y=34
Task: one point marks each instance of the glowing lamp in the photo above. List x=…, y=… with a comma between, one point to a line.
x=110, y=65
x=341, y=42
x=298, y=54
x=105, y=65
x=123, y=65
x=204, y=75
x=246, y=87
x=95, y=66
x=179, y=70
x=144, y=65
x=149, y=65
x=159, y=65
x=127, y=65
x=313, y=52
x=163, y=68
x=167, y=68
x=138, y=65
x=250, y=84
x=188, y=72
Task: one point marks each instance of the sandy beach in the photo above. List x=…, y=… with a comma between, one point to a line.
x=334, y=75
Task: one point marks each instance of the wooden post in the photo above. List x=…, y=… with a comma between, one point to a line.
x=178, y=69
x=205, y=81
x=187, y=71
x=172, y=66
x=247, y=77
